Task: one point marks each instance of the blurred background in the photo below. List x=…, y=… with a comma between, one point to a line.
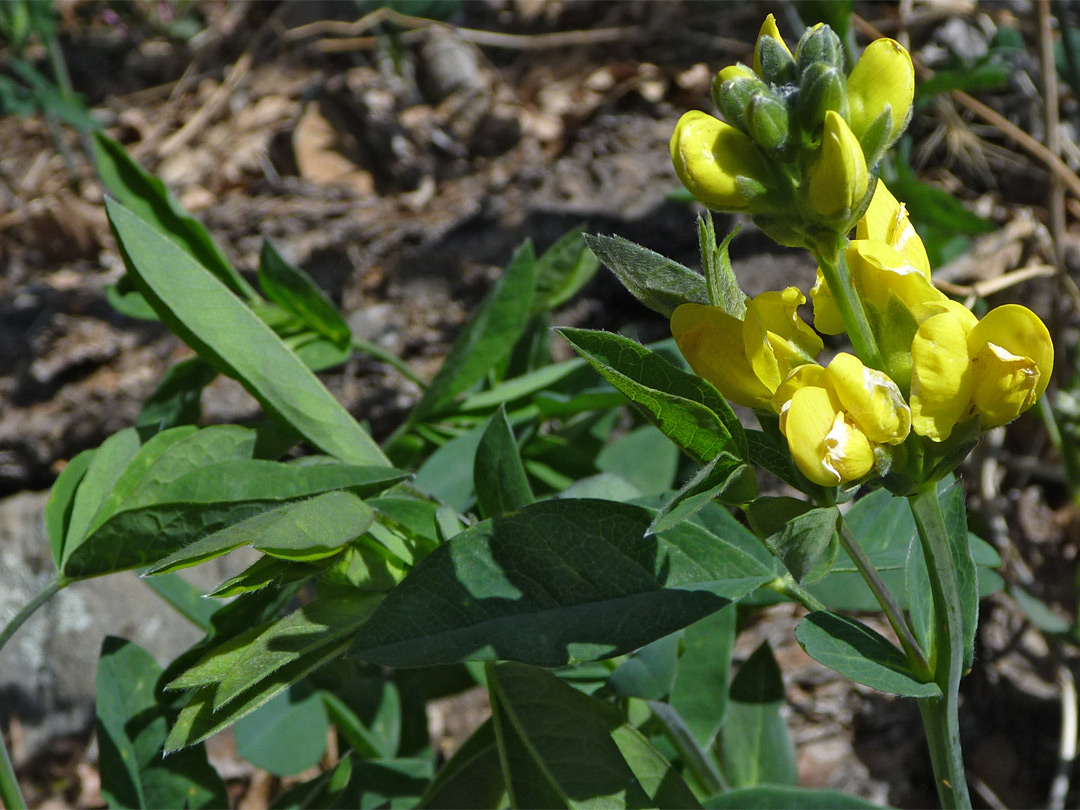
x=399, y=152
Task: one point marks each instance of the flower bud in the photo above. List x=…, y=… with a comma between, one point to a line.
x=872, y=400
x=838, y=180
x=717, y=163
x=882, y=80
x=773, y=61
x=767, y=122
x=819, y=45
x=821, y=89
x=825, y=445
x=732, y=89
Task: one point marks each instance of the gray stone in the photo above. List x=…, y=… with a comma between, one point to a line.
x=48, y=668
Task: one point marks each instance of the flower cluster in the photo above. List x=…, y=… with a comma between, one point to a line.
x=802, y=139
x=937, y=374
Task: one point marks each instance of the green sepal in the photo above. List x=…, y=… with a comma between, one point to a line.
x=819, y=45
x=767, y=123
x=821, y=89
x=895, y=330
x=777, y=64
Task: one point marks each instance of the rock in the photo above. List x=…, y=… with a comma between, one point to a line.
x=48, y=668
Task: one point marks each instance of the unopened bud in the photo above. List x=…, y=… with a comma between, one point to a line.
x=773, y=61
x=819, y=45
x=732, y=89
x=883, y=78
x=822, y=89
x=767, y=122
x=838, y=181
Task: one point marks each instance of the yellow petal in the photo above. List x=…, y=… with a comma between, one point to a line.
x=736, y=71
x=871, y=399
x=879, y=270
x=710, y=155
x=838, y=180
x=1012, y=359
x=886, y=220
x=810, y=374
x=940, y=376
x=768, y=29
x=827, y=318
x=712, y=343
x=883, y=76
x=826, y=447
x=776, y=338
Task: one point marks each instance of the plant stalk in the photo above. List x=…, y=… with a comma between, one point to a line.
x=787, y=586
x=838, y=277
x=940, y=714
x=885, y=599
x=10, y=794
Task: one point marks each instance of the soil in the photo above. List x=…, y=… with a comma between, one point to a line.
x=401, y=170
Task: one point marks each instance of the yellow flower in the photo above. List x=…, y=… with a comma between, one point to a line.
x=746, y=360
x=834, y=417
x=838, y=180
x=1012, y=357
x=768, y=29
x=710, y=157
x=886, y=220
x=883, y=78
x=995, y=368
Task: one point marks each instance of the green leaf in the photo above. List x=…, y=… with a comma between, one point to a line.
x=520, y=387
x=660, y=781
x=700, y=691
x=473, y=776
x=131, y=727
x=558, y=581
x=305, y=531
x=204, y=501
x=556, y=745
x=447, y=475
x=1039, y=613
x=103, y=471
x=293, y=290
x=780, y=797
x=487, y=338
x=857, y=651
x=177, y=398
x=644, y=457
x=61, y=503
x=723, y=286
x=650, y=672
x=954, y=510
x=246, y=671
x=379, y=736
x=498, y=475
x=563, y=269
x=285, y=735
x=686, y=408
x=724, y=478
x=148, y=199
x=659, y=283
x=206, y=315
x=756, y=745
x=804, y=539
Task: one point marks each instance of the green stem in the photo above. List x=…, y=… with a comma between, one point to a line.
x=697, y=760
x=10, y=794
x=786, y=586
x=391, y=360
x=838, y=277
x=29, y=608
x=940, y=714
x=885, y=599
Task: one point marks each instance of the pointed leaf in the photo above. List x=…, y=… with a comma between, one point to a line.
x=686, y=408
x=207, y=316
x=804, y=539
x=61, y=503
x=285, y=735
x=756, y=745
x=305, y=530
x=725, y=478
x=563, y=269
x=473, y=776
x=558, y=581
x=487, y=338
x=860, y=653
x=293, y=290
x=659, y=283
x=498, y=475
x=700, y=691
